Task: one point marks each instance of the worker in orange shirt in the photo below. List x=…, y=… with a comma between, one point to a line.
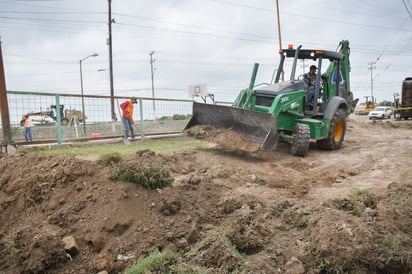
x=127, y=118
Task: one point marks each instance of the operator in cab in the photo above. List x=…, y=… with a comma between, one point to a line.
x=309, y=79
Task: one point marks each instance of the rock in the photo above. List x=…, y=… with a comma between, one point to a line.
x=103, y=262
x=70, y=245
x=121, y=257
x=208, y=227
x=301, y=247
x=170, y=206
x=294, y=266
x=369, y=215
x=182, y=243
x=195, y=180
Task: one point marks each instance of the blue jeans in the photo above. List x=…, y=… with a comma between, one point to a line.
x=310, y=97
x=127, y=124
x=27, y=134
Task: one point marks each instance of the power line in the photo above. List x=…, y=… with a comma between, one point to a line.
x=343, y=22
x=51, y=20
x=39, y=59
x=408, y=9
x=55, y=12
x=243, y=6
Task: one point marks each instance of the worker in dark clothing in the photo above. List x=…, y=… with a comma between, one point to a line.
x=309, y=79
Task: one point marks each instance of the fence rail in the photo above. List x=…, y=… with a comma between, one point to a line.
x=60, y=117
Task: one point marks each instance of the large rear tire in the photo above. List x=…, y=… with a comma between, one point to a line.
x=337, y=130
x=301, y=139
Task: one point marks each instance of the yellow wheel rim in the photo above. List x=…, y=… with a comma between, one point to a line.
x=338, y=133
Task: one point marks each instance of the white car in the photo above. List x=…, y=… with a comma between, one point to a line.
x=380, y=113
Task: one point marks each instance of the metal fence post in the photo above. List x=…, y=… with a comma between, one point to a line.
x=59, y=120
x=141, y=118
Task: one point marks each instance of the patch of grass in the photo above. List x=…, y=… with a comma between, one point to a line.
x=241, y=241
x=10, y=248
x=218, y=239
x=400, y=195
x=162, y=146
x=356, y=202
x=184, y=269
x=108, y=159
x=231, y=246
x=156, y=262
x=389, y=246
x=304, y=222
x=152, y=177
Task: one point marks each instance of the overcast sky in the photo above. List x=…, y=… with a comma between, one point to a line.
x=196, y=41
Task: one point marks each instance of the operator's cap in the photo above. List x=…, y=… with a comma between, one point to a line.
x=313, y=67
x=134, y=100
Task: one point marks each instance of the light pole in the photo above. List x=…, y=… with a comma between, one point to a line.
x=152, y=60
x=81, y=88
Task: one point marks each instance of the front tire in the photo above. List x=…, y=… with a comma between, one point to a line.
x=337, y=130
x=301, y=139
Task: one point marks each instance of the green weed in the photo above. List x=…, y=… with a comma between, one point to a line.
x=152, y=177
x=108, y=159
x=389, y=246
x=356, y=202
x=400, y=195
x=156, y=262
x=11, y=249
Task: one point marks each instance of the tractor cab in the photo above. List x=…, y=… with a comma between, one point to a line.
x=333, y=82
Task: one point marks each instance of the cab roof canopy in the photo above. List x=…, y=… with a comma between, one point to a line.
x=313, y=54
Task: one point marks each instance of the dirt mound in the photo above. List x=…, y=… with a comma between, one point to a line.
x=331, y=212
x=225, y=138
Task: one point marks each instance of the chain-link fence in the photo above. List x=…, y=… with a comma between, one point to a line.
x=70, y=117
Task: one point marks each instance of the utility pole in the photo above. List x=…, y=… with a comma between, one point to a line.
x=279, y=33
x=152, y=60
x=278, y=19
x=7, y=146
x=371, y=67
x=111, y=62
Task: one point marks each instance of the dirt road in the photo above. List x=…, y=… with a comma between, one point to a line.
x=330, y=212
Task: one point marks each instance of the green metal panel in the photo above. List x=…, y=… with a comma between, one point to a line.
x=318, y=128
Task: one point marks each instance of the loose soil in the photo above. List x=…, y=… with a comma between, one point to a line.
x=340, y=211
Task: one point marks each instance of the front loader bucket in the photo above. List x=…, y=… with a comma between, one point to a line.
x=258, y=127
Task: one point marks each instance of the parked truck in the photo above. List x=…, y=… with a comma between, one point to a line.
x=403, y=102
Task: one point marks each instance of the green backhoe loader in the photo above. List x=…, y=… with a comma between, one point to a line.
x=278, y=112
